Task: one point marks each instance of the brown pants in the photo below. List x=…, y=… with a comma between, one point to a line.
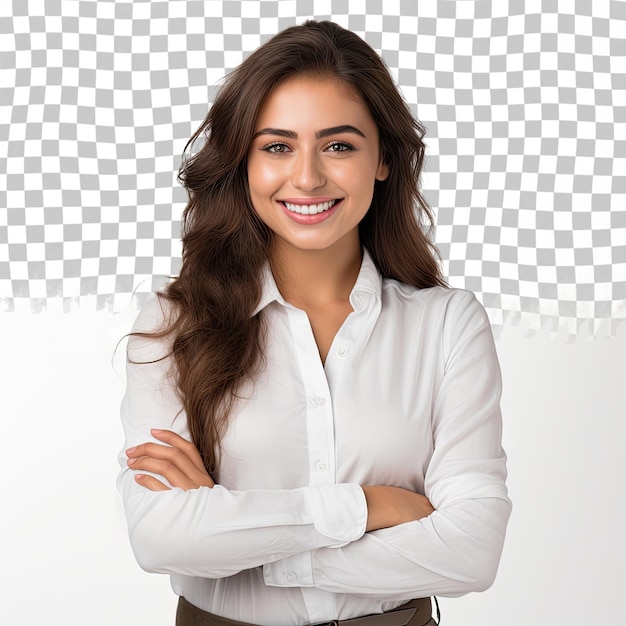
x=414, y=613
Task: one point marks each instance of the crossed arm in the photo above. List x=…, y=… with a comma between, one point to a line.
x=179, y=462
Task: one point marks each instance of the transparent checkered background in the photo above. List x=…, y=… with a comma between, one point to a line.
x=524, y=105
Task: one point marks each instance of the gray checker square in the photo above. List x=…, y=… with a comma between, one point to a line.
x=524, y=105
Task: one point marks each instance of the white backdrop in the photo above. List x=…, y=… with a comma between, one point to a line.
x=64, y=550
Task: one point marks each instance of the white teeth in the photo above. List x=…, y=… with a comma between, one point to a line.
x=310, y=209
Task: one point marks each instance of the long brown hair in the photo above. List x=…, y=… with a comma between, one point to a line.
x=217, y=342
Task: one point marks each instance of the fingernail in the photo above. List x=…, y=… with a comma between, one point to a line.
x=131, y=461
x=156, y=431
x=139, y=476
x=131, y=450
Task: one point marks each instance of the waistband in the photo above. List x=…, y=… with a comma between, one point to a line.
x=414, y=613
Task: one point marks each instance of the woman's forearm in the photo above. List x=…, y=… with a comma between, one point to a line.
x=390, y=506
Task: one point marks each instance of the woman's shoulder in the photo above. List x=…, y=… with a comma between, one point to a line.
x=154, y=314
x=444, y=317
x=438, y=309
x=148, y=339
x=431, y=297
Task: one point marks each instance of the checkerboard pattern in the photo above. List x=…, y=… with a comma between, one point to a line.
x=524, y=105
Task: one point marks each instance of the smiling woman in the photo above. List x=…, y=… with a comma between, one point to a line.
x=312, y=181
x=312, y=418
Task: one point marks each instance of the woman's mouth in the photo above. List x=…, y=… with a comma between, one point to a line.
x=310, y=209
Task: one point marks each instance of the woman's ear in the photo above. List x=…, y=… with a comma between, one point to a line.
x=382, y=172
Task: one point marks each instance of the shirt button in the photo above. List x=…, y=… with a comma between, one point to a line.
x=321, y=400
x=322, y=466
x=290, y=577
x=271, y=558
x=342, y=352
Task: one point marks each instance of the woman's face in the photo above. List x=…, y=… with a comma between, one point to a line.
x=312, y=163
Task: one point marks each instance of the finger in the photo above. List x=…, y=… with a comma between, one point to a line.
x=172, y=454
x=150, y=482
x=185, y=473
x=175, y=440
x=164, y=468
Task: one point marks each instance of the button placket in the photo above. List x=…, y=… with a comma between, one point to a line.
x=319, y=418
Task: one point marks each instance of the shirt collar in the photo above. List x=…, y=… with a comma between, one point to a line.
x=270, y=290
x=368, y=285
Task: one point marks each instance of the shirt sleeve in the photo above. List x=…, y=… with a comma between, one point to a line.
x=457, y=548
x=215, y=532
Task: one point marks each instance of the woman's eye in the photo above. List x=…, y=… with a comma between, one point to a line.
x=276, y=148
x=339, y=146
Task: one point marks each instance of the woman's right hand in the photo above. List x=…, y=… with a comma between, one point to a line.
x=390, y=506
x=178, y=461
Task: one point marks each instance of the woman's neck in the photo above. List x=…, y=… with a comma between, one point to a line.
x=316, y=277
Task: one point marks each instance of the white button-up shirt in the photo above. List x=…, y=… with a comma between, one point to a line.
x=408, y=396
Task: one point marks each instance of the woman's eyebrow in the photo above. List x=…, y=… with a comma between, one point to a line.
x=337, y=130
x=276, y=131
x=320, y=134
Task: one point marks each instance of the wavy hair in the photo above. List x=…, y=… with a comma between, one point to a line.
x=217, y=340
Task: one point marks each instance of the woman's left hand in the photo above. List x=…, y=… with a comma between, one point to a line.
x=179, y=462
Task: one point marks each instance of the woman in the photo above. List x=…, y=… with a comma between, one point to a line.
x=328, y=440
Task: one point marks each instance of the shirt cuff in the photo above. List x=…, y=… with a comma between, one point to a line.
x=339, y=511
x=293, y=571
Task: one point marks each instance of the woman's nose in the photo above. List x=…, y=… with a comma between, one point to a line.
x=307, y=172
